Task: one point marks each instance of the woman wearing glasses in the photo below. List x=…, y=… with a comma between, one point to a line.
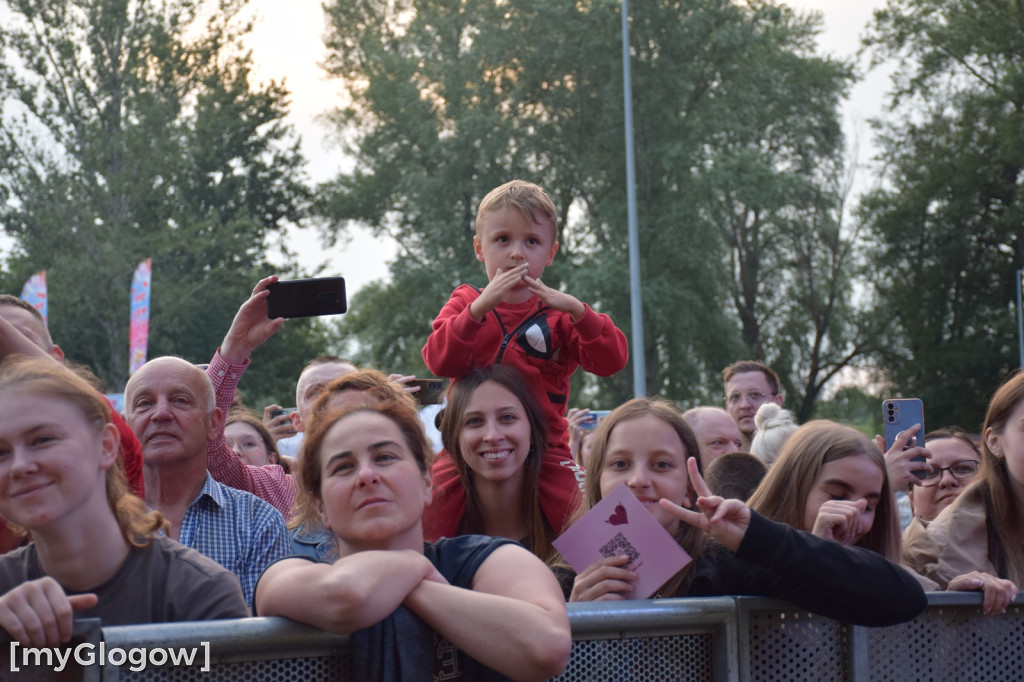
x=251, y=441
x=955, y=461
x=981, y=533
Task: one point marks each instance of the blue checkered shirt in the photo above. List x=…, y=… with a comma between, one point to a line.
x=238, y=530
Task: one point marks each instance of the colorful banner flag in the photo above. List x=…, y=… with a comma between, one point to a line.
x=138, y=332
x=34, y=292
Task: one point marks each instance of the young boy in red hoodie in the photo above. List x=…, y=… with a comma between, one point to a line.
x=518, y=321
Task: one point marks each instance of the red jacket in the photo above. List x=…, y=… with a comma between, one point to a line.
x=542, y=343
x=131, y=454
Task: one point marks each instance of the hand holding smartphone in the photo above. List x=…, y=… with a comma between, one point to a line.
x=591, y=420
x=274, y=414
x=898, y=415
x=431, y=391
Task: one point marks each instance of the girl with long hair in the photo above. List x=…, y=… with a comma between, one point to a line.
x=830, y=479
x=494, y=431
x=981, y=534
x=95, y=549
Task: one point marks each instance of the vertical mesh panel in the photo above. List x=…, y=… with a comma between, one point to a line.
x=951, y=643
x=795, y=646
x=653, y=659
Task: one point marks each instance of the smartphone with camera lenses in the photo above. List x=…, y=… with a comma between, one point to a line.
x=898, y=415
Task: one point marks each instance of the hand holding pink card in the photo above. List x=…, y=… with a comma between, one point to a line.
x=619, y=525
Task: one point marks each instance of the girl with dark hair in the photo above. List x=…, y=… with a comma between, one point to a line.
x=646, y=445
x=494, y=432
x=956, y=462
x=251, y=441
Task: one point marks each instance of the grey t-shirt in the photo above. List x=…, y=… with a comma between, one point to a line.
x=163, y=582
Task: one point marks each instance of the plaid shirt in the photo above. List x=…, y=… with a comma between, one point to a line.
x=238, y=530
x=269, y=482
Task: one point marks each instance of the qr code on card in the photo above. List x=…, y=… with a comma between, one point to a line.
x=620, y=546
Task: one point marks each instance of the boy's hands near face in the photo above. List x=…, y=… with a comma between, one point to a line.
x=559, y=300
x=504, y=281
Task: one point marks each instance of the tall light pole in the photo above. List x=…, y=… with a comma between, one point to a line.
x=635, y=299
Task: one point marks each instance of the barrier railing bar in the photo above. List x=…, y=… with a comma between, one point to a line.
x=241, y=639
x=656, y=617
x=726, y=620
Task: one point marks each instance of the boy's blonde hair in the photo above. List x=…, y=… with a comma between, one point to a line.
x=526, y=197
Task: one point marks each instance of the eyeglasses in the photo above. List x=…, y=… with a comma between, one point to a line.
x=961, y=471
x=755, y=397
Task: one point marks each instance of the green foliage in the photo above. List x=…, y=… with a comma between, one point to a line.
x=737, y=146
x=854, y=407
x=131, y=130
x=947, y=225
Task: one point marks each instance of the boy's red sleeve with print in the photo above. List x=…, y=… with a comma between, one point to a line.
x=458, y=343
x=601, y=347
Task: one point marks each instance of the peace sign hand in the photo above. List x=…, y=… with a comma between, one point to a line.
x=724, y=520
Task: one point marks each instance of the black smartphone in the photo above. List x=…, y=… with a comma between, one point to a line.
x=431, y=390
x=899, y=414
x=307, y=297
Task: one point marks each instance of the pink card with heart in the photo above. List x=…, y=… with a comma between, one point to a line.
x=620, y=525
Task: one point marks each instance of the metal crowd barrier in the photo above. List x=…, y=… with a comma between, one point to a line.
x=718, y=639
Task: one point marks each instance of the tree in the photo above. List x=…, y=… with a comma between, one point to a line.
x=947, y=223
x=736, y=131
x=130, y=130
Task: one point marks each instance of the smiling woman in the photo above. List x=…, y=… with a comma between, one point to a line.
x=491, y=429
x=496, y=607
x=96, y=549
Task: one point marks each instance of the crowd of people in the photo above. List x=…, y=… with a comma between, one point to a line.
x=344, y=514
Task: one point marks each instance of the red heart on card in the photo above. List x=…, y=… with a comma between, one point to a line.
x=619, y=517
